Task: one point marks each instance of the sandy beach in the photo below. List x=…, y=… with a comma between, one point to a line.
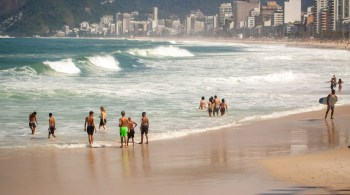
x=297, y=154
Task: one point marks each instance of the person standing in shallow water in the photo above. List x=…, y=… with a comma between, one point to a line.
x=223, y=107
x=216, y=106
x=331, y=99
x=203, y=104
x=32, y=121
x=340, y=85
x=210, y=106
x=103, y=118
x=144, y=127
x=123, y=129
x=52, y=126
x=131, y=131
x=89, y=127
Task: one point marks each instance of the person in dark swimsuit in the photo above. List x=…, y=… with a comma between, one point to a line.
x=32, y=121
x=144, y=127
x=210, y=106
x=89, y=127
x=52, y=126
x=131, y=131
x=223, y=107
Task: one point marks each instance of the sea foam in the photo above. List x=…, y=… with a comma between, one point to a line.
x=161, y=51
x=65, y=66
x=105, y=61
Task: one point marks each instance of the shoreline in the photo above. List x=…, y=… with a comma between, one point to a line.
x=309, y=43
x=225, y=161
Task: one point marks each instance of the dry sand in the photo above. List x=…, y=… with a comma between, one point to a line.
x=224, y=161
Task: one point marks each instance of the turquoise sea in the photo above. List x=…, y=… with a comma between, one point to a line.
x=166, y=79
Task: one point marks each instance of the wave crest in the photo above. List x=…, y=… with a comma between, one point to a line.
x=106, y=62
x=66, y=66
x=161, y=51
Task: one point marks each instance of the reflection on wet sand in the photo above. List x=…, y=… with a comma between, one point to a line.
x=145, y=159
x=333, y=138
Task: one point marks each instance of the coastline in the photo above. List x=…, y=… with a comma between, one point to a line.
x=224, y=161
x=311, y=43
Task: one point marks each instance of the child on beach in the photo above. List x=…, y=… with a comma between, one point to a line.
x=131, y=131
x=52, y=126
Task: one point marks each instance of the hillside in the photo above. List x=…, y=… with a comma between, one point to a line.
x=28, y=17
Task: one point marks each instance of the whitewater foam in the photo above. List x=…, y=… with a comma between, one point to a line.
x=161, y=51
x=105, y=61
x=65, y=66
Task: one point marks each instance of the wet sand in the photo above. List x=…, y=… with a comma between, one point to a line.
x=226, y=161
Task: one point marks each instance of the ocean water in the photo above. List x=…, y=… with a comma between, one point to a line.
x=166, y=79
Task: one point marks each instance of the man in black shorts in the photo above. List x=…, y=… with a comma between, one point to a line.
x=52, y=126
x=144, y=127
x=131, y=131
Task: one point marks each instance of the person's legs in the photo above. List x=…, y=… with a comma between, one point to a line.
x=327, y=112
x=146, y=138
x=332, y=112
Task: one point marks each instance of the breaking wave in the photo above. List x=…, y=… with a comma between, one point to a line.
x=161, y=51
x=65, y=66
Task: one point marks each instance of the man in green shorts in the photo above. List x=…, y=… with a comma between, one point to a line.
x=123, y=125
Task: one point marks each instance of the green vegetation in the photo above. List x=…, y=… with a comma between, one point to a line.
x=43, y=17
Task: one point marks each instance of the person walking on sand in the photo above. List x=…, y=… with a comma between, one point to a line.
x=340, y=85
x=203, y=104
x=216, y=106
x=32, y=121
x=210, y=106
x=223, y=107
x=131, y=131
x=123, y=129
x=103, y=118
x=331, y=100
x=52, y=126
x=144, y=127
x=89, y=127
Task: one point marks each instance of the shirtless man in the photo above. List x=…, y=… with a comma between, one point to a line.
x=32, y=121
x=144, y=127
x=203, y=104
x=331, y=99
x=216, y=106
x=131, y=131
x=52, y=126
x=90, y=129
x=123, y=129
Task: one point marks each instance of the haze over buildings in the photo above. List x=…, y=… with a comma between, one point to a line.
x=242, y=18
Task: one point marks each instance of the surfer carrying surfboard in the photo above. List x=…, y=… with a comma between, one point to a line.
x=331, y=100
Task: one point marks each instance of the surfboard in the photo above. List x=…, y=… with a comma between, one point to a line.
x=324, y=101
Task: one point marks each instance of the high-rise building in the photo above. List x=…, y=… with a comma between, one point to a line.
x=65, y=29
x=321, y=16
x=241, y=10
x=225, y=11
x=277, y=19
x=339, y=11
x=118, y=23
x=155, y=13
x=126, y=23
x=292, y=11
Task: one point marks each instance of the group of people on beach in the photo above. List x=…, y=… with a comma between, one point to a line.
x=214, y=106
x=126, y=126
x=332, y=98
x=334, y=83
